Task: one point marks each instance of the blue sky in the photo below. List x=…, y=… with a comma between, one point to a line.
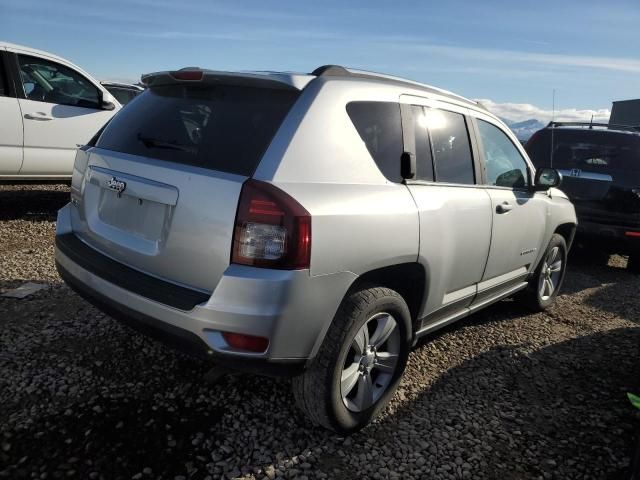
x=508, y=53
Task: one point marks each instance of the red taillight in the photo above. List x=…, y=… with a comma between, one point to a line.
x=249, y=343
x=193, y=75
x=632, y=234
x=271, y=230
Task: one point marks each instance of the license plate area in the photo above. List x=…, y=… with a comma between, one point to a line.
x=140, y=217
x=127, y=210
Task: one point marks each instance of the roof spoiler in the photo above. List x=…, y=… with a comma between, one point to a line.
x=192, y=75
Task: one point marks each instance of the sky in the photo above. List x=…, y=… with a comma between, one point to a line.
x=511, y=55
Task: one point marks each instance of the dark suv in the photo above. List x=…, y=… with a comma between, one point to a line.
x=601, y=168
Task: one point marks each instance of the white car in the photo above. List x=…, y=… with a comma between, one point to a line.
x=48, y=108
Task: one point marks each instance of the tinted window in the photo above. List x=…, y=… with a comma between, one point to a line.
x=50, y=82
x=505, y=166
x=225, y=128
x=380, y=128
x=451, y=148
x=595, y=150
x=3, y=81
x=424, y=162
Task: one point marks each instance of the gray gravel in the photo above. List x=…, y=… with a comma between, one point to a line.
x=504, y=394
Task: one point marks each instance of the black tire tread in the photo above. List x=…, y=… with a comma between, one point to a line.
x=304, y=386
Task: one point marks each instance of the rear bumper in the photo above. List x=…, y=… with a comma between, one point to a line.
x=290, y=308
x=178, y=338
x=611, y=238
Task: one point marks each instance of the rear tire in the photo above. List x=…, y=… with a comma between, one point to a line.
x=547, y=279
x=360, y=362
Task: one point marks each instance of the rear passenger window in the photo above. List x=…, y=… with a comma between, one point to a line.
x=424, y=162
x=451, y=148
x=379, y=126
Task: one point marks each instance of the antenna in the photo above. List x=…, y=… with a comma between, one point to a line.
x=553, y=118
x=591, y=123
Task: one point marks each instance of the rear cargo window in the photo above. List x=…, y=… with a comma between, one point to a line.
x=225, y=128
x=596, y=150
x=380, y=128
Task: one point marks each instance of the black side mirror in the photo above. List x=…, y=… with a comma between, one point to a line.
x=547, y=178
x=408, y=165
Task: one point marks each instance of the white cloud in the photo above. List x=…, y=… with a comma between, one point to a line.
x=518, y=112
x=622, y=64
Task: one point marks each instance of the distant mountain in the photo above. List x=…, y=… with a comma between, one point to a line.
x=523, y=130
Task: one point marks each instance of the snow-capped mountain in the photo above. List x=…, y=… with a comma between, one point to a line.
x=523, y=130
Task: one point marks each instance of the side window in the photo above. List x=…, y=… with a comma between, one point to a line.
x=380, y=127
x=504, y=163
x=3, y=78
x=451, y=148
x=424, y=161
x=45, y=81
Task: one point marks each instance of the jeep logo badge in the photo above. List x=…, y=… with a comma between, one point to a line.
x=575, y=172
x=116, y=185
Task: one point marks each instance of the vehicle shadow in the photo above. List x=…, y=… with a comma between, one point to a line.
x=515, y=412
x=26, y=202
x=79, y=392
x=626, y=299
x=587, y=269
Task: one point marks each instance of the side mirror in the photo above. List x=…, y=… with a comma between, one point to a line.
x=547, y=178
x=407, y=165
x=106, y=105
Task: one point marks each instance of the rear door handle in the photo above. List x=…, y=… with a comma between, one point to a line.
x=504, y=207
x=38, y=116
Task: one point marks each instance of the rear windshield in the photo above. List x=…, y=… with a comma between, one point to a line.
x=585, y=149
x=226, y=128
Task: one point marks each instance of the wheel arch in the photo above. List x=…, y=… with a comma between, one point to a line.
x=568, y=232
x=408, y=279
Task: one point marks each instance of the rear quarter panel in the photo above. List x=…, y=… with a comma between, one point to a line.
x=357, y=228
x=360, y=221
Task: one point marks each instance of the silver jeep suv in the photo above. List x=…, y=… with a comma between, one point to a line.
x=308, y=225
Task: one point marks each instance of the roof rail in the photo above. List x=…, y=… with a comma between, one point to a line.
x=612, y=126
x=340, y=71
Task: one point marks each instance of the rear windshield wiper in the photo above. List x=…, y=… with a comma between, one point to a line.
x=151, y=142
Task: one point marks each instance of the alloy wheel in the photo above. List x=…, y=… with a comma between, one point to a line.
x=550, y=274
x=371, y=362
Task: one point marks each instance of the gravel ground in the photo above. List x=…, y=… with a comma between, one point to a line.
x=504, y=394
